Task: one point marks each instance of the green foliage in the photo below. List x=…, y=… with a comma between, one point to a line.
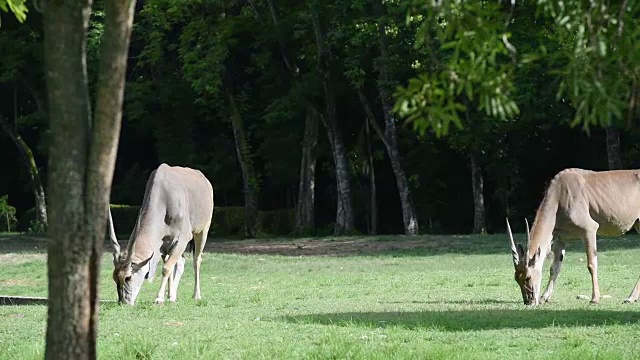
x=7, y=214
x=17, y=7
x=37, y=227
x=598, y=58
x=471, y=62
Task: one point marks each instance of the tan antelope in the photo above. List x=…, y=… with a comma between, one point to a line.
x=177, y=205
x=577, y=204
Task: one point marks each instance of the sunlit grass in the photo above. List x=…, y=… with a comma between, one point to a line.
x=450, y=298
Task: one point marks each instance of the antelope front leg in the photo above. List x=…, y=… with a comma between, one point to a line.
x=178, y=269
x=633, y=297
x=592, y=264
x=558, y=257
x=167, y=269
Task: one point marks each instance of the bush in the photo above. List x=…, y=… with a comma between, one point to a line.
x=277, y=222
x=227, y=220
x=7, y=214
x=27, y=218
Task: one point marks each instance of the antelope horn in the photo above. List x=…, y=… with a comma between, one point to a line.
x=526, y=258
x=514, y=249
x=112, y=235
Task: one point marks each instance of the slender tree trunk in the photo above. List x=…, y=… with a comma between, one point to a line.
x=409, y=217
x=478, y=195
x=614, y=158
x=390, y=142
x=373, y=229
x=81, y=163
x=245, y=158
x=305, y=207
x=32, y=169
x=344, y=209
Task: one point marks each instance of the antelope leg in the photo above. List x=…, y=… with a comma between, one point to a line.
x=558, y=257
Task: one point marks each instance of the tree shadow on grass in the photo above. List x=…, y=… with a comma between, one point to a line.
x=472, y=320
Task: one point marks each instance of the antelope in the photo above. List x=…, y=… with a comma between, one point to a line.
x=177, y=206
x=577, y=204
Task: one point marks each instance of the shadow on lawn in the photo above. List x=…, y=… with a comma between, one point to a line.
x=470, y=320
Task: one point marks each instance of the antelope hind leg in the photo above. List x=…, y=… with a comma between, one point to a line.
x=200, y=241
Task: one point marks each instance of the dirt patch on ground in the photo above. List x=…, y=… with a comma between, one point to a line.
x=17, y=282
x=15, y=258
x=21, y=248
x=314, y=247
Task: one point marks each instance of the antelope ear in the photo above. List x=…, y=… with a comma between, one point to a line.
x=153, y=266
x=141, y=264
x=520, y=251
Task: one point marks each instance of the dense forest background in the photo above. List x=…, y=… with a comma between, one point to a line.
x=273, y=99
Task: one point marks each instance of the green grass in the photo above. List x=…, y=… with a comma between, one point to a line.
x=449, y=297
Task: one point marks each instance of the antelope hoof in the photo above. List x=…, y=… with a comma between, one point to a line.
x=172, y=300
x=594, y=301
x=629, y=301
x=159, y=301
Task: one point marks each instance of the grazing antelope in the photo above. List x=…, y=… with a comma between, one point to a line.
x=177, y=205
x=577, y=204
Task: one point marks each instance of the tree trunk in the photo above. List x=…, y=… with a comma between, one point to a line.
x=344, y=209
x=32, y=169
x=81, y=164
x=614, y=159
x=478, y=195
x=249, y=180
x=408, y=211
x=373, y=229
x=409, y=217
x=305, y=207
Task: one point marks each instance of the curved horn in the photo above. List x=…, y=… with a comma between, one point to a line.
x=514, y=249
x=526, y=257
x=112, y=235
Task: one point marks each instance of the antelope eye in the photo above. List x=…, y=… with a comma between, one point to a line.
x=128, y=278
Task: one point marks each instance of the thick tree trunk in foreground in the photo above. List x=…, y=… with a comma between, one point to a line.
x=479, y=226
x=81, y=164
x=30, y=165
x=344, y=209
x=305, y=207
x=249, y=180
x=614, y=159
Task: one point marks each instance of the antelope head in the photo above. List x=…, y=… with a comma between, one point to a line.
x=127, y=274
x=527, y=275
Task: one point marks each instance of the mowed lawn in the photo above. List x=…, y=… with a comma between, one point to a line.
x=430, y=297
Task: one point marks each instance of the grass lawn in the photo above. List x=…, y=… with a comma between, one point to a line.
x=430, y=297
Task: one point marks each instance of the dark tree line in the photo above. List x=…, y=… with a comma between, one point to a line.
x=295, y=105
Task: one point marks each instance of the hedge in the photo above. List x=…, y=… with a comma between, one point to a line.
x=227, y=221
